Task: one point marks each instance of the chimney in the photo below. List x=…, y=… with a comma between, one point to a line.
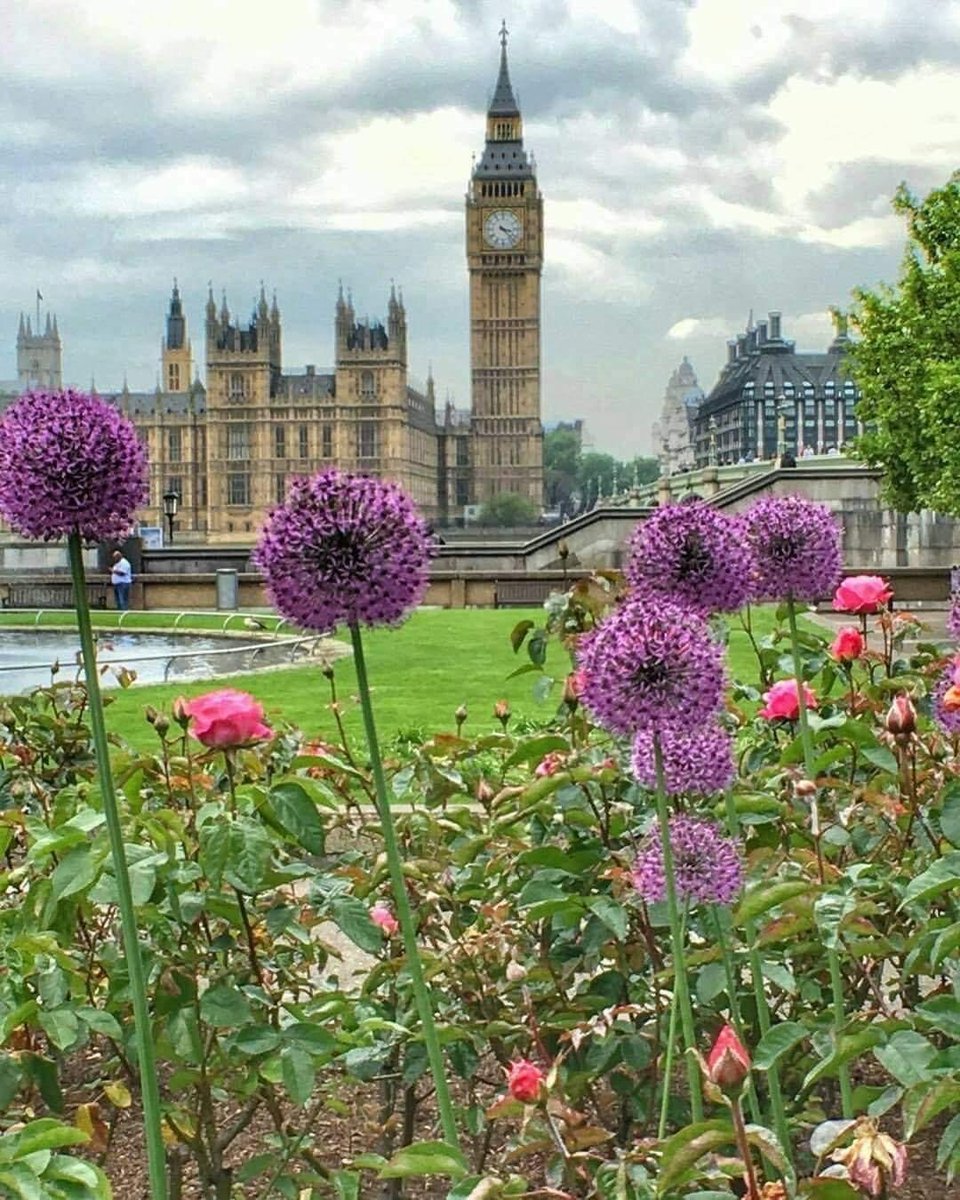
x=741, y=345
x=775, y=334
x=761, y=332
x=751, y=341
x=311, y=369
x=731, y=352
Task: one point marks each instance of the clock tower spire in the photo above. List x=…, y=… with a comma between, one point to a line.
x=504, y=219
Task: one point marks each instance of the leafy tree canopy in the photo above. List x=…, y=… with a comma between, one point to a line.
x=508, y=508
x=573, y=477
x=907, y=363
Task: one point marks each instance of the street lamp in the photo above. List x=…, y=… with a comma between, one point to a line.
x=171, y=503
x=712, y=453
x=781, y=426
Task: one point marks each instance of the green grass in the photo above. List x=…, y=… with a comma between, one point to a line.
x=419, y=673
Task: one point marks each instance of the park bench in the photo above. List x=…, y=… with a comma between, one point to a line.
x=52, y=595
x=523, y=593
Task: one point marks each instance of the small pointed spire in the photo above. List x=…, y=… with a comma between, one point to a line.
x=211, y=303
x=274, y=310
x=262, y=309
x=56, y=331
x=20, y=328
x=504, y=103
x=224, y=311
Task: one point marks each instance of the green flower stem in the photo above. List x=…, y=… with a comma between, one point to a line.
x=736, y=1019
x=681, y=983
x=833, y=961
x=404, y=914
x=777, y=1106
x=149, y=1087
x=668, y=1058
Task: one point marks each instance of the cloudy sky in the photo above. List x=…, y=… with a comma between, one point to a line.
x=698, y=158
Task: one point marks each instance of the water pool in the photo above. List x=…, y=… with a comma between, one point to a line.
x=26, y=656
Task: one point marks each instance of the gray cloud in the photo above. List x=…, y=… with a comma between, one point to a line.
x=617, y=119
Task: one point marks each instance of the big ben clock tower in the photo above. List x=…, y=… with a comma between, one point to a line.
x=505, y=258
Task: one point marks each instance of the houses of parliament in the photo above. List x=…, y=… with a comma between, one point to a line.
x=228, y=446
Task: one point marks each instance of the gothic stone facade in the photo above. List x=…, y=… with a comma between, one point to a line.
x=229, y=449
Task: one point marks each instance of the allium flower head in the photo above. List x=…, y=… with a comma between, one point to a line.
x=796, y=546
x=706, y=865
x=651, y=664
x=694, y=760
x=944, y=709
x=692, y=553
x=70, y=463
x=344, y=549
x=953, y=617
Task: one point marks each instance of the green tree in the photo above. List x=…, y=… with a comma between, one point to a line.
x=561, y=462
x=508, y=508
x=907, y=362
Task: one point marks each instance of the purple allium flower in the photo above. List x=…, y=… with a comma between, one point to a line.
x=947, y=718
x=698, y=760
x=651, y=664
x=707, y=866
x=692, y=553
x=70, y=463
x=796, y=546
x=953, y=617
x=344, y=549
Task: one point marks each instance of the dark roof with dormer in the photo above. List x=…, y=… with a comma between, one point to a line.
x=504, y=158
x=763, y=366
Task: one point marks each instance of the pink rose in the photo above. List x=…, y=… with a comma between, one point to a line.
x=901, y=718
x=782, y=700
x=862, y=594
x=847, y=645
x=728, y=1063
x=524, y=1081
x=381, y=915
x=225, y=719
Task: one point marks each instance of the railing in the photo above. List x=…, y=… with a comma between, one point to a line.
x=259, y=619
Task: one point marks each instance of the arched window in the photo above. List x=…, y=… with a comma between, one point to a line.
x=367, y=384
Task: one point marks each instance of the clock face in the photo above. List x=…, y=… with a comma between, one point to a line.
x=502, y=229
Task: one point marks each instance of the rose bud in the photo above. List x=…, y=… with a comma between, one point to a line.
x=515, y=972
x=381, y=915
x=805, y=787
x=847, y=645
x=460, y=715
x=572, y=689
x=501, y=710
x=901, y=718
x=728, y=1063
x=950, y=700
x=525, y=1081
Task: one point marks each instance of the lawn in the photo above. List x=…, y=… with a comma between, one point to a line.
x=420, y=673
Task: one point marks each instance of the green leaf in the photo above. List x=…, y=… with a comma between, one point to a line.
x=248, y=856
x=225, y=1007
x=612, y=914
x=880, y=757
x=685, y=1148
x=849, y=1046
x=297, y=813
x=347, y=1184
x=711, y=981
x=776, y=1042
x=764, y=896
x=536, y=748
x=907, y=1056
x=353, y=917
x=61, y=1026
x=950, y=815
x=518, y=633
x=921, y=1104
x=942, y=876
x=47, y=1134
x=299, y=1074
x=75, y=871
x=829, y=1189
x=425, y=1158
x=100, y=1022
x=943, y=1013
x=256, y=1039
